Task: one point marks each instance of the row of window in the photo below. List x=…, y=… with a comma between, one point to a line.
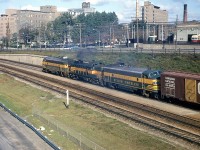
x=3, y=18
x=81, y=72
x=36, y=16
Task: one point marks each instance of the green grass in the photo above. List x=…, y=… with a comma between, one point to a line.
x=106, y=132
x=176, y=62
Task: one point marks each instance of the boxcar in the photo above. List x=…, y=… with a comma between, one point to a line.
x=181, y=86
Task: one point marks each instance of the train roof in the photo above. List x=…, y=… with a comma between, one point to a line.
x=59, y=60
x=178, y=74
x=125, y=70
x=87, y=65
x=133, y=71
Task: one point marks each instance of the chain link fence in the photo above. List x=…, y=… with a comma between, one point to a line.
x=77, y=138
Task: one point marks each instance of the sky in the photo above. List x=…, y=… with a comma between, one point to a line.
x=125, y=10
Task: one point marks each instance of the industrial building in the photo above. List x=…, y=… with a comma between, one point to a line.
x=186, y=30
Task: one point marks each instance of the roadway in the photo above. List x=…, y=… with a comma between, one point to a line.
x=16, y=136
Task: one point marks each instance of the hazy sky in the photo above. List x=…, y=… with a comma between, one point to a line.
x=125, y=9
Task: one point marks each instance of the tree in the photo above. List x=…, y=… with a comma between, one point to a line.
x=83, y=25
x=96, y=23
x=57, y=29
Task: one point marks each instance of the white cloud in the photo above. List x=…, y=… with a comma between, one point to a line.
x=30, y=7
x=62, y=9
x=99, y=2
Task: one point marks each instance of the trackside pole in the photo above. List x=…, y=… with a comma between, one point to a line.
x=67, y=96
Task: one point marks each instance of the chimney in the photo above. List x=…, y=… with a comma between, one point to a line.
x=185, y=13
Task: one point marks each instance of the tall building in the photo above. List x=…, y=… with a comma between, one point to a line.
x=8, y=24
x=86, y=9
x=35, y=19
x=153, y=14
x=48, y=9
x=13, y=20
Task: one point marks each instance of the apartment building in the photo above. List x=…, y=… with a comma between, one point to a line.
x=8, y=24
x=13, y=20
x=36, y=19
x=153, y=14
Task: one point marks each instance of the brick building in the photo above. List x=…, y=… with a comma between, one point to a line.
x=153, y=14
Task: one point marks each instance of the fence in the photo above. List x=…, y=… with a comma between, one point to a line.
x=147, y=51
x=83, y=142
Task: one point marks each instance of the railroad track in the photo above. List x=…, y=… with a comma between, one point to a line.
x=183, y=128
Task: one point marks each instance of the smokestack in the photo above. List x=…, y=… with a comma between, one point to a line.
x=185, y=13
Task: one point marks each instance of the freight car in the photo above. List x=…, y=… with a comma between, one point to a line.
x=138, y=80
x=181, y=86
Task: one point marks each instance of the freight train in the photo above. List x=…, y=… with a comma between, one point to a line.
x=144, y=81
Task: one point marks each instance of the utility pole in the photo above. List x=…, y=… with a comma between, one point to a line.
x=132, y=31
x=162, y=33
x=80, y=33
x=147, y=30
x=143, y=32
x=40, y=35
x=176, y=33
x=127, y=35
x=137, y=14
x=112, y=37
x=45, y=28
x=99, y=39
x=7, y=34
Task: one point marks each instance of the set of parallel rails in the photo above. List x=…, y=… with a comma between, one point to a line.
x=181, y=127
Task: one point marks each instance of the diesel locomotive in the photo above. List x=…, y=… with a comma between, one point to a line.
x=144, y=81
x=137, y=80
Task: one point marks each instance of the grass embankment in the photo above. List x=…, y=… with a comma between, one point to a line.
x=107, y=132
x=188, y=63
x=183, y=62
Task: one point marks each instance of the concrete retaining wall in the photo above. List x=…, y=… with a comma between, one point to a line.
x=26, y=58
x=169, y=46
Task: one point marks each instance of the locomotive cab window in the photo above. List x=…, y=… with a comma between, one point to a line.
x=154, y=74
x=144, y=76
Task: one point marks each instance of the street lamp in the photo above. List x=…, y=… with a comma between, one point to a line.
x=80, y=33
x=111, y=25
